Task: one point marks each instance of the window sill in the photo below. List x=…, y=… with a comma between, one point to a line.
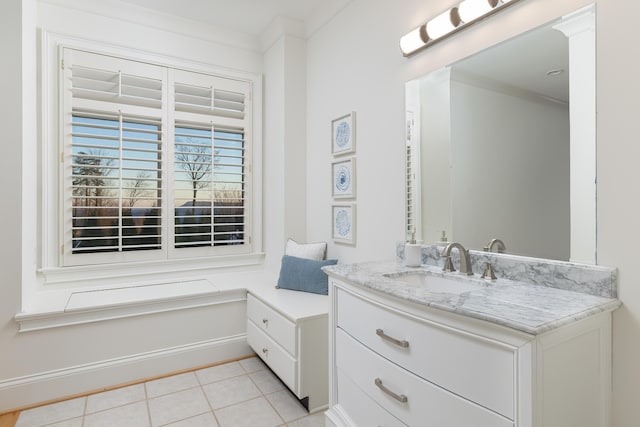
x=103, y=275
x=85, y=295
x=94, y=306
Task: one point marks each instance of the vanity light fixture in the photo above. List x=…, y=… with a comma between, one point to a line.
x=449, y=22
x=414, y=40
x=443, y=24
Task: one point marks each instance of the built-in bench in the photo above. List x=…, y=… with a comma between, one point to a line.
x=289, y=332
x=287, y=329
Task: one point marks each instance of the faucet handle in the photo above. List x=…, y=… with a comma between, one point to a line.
x=488, y=272
x=448, y=264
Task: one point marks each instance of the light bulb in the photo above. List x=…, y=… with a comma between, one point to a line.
x=414, y=40
x=473, y=9
x=443, y=24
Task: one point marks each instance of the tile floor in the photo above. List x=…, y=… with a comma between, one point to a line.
x=236, y=394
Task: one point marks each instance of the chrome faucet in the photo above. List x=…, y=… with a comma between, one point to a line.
x=465, y=260
x=495, y=242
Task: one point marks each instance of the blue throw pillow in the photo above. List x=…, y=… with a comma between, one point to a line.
x=301, y=274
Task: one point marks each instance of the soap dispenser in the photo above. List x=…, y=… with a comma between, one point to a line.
x=412, y=252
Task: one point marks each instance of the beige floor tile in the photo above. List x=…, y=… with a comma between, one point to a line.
x=266, y=381
x=315, y=420
x=54, y=413
x=132, y=415
x=178, y=406
x=231, y=391
x=243, y=394
x=204, y=420
x=114, y=398
x=287, y=405
x=171, y=384
x=252, y=364
x=253, y=413
x=76, y=422
x=220, y=372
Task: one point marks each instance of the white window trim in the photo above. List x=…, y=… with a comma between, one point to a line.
x=51, y=274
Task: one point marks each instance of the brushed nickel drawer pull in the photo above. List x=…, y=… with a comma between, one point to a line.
x=400, y=343
x=399, y=397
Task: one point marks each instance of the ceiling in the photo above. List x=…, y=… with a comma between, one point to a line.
x=247, y=16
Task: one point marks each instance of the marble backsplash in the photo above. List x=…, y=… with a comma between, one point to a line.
x=588, y=279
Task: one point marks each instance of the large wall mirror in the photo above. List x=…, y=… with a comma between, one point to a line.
x=502, y=145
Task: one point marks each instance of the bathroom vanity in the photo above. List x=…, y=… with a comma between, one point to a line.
x=420, y=347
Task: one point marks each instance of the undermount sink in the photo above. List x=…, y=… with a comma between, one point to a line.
x=433, y=283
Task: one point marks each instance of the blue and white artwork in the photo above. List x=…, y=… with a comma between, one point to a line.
x=344, y=178
x=344, y=223
x=343, y=134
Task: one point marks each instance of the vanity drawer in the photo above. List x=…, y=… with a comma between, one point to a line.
x=282, y=330
x=457, y=361
x=426, y=404
x=273, y=355
x=360, y=408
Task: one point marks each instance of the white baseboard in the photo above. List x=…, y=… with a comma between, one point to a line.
x=29, y=390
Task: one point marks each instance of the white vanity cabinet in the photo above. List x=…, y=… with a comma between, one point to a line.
x=396, y=363
x=288, y=330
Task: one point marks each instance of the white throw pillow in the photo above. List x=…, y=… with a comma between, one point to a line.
x=317, y=251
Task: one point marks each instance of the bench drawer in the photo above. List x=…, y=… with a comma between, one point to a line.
x=272, y=323
x=273, y=355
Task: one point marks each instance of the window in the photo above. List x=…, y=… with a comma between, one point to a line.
x=155, y=161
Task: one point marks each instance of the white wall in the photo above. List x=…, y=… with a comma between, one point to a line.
x=618, y=152
x=354, y=63
x=284, y=146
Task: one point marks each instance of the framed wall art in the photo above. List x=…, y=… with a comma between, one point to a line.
x=344, y=223
x=344, y=178
x=343, y=134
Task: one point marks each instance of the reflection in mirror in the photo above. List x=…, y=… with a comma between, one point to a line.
x=502, y=145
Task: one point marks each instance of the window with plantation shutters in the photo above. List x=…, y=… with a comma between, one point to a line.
x=210, y=154
x=412, y=178
x=411, y=221
x=209, y=186
x=116, y=182
x=155, y=161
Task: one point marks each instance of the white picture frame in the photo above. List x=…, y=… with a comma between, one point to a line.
x=343, y=182
x=343, y=134
x=343, y=223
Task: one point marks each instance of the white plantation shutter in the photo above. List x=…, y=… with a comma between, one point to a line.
x=155, y=161
x=114, y=86
x=211, y=169
x=410, y=196
x=208, y=100
x=412, y=179
x=116, y=182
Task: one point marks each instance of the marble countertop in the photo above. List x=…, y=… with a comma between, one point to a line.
x=533, y=309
